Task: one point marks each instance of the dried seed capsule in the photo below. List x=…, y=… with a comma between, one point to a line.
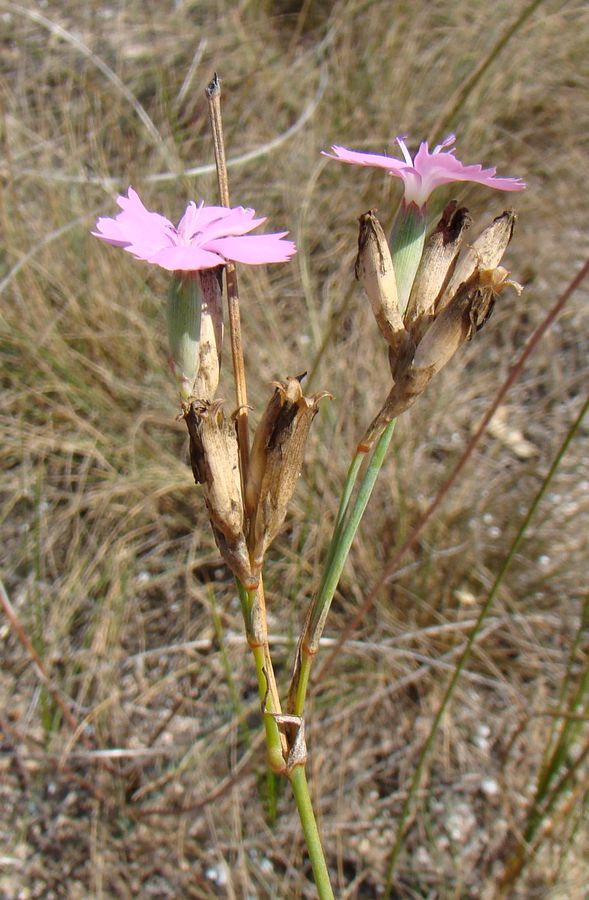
x=374, y=268
x=485, y=253
x=466, y=313
x=215, y=463
x=275, y=462
x=436, y=266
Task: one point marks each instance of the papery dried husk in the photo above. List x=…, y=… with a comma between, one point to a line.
x=275, y=462
x=437, y=264
x=211, y=335
x=374, y=269
x=214, y=458
x=467, y=312
x=485, y=253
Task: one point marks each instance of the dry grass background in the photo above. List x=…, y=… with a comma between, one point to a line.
x=106, y=551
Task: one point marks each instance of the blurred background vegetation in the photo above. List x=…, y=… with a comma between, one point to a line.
x=107, y=556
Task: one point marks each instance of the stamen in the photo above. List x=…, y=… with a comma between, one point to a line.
x=400, y=139
x=450, y=139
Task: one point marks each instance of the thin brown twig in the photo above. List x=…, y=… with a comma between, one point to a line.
x=513, y=376
x=213, y=93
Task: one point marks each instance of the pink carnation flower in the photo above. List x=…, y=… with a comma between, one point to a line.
x=206, y=236
x=427, y=171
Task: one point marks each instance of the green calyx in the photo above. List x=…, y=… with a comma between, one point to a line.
x=407, y=240
x=184, y=307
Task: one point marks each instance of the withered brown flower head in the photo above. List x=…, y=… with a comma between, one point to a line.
x=215, y=464
x=452, y=297
x=275, y=462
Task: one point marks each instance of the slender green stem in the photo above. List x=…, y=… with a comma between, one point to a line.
x=300, y=789
x=465, y=656
x=346, y=529
x=350, y=481
x=276, y=753
x=357, y=461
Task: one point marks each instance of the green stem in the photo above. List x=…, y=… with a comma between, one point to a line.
x=276, y=754
x=300, y=789
x=351, y=477
x=344, y=535
x=348, y=488
x=465, y=656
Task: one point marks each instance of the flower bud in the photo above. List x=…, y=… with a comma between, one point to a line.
x=215, y=463
x=275, y=462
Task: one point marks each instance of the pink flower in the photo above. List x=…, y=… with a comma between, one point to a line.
x=206, y=236
x=427, y=171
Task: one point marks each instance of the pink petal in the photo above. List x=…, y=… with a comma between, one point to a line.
x=428, y=170
x=207, y=236
x=109, y=230
x=254, y=249
x=188, y=223
x=204, y=223
x=186, y=258
x=137, y=227
x=238, y=222
x=443, y=168
x=366, y=159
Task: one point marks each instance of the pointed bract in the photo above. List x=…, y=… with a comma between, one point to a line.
x=374, y=269
x=486, y=252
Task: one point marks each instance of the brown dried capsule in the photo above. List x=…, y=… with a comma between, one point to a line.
x=374, y=269
x=466, y=313
x=215, y=463
x=275, y=462
x=436, y=267
x=485, y=253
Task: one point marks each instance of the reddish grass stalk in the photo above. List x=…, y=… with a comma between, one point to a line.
x=40, y=669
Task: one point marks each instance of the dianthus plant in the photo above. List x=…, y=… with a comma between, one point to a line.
x=429, y=294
